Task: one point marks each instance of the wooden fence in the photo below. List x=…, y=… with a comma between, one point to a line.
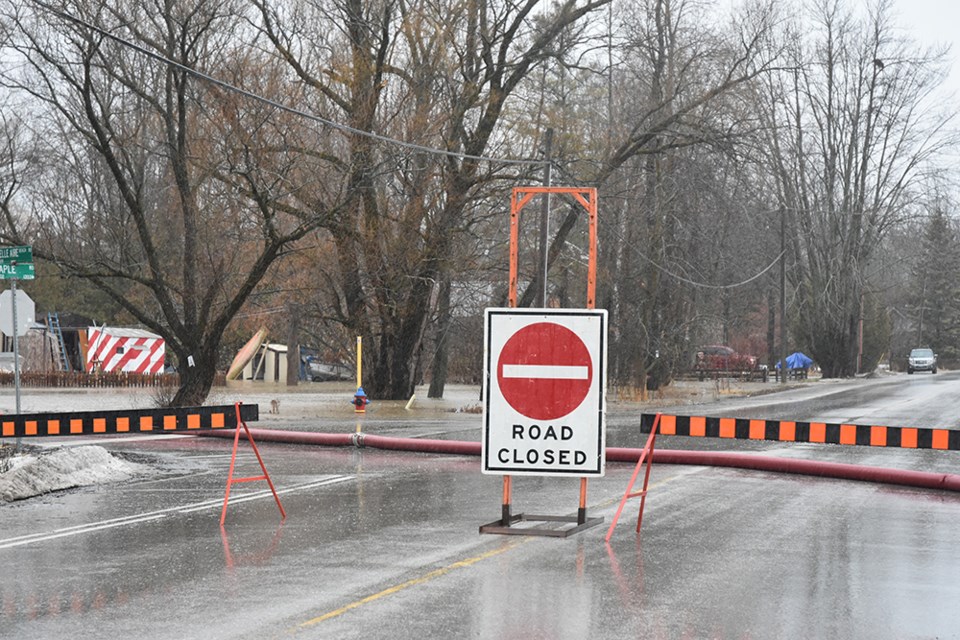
x=76, y=379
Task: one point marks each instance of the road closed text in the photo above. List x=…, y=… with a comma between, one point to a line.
x=533, y=444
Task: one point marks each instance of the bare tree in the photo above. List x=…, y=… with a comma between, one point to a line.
x=146, y=188
x=434, y=76
x=668, y=147
x=852, y=129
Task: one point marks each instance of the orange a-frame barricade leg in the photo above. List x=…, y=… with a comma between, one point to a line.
x=233, y=461
x=645, y=456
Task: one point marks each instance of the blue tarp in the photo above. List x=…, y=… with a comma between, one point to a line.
x=797, y=360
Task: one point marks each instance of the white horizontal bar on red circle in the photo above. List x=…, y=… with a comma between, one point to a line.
x=554, y=371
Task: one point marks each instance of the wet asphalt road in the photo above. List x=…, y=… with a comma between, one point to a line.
x=385, y=544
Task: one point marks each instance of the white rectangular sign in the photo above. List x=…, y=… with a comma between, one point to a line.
x=544, y=393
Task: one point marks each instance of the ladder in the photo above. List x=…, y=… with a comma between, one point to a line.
x=53, y=324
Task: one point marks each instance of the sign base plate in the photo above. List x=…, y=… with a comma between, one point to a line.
x=580, y=524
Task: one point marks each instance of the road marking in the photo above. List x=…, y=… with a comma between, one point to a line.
x=220, y=456
x=427, y=577
x=265, y=493
x=78, y=529
x=552, y=371
x=32, y=538
x=437, y=573
x=56, y=442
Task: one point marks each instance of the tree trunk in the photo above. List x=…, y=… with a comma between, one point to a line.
x=441, y=354
x=396, y=360
x=196, y=380
x=293, y=345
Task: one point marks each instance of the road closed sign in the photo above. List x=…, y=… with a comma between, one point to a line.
x=544, y=391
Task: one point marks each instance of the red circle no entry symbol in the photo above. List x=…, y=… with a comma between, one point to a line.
x=544, y=371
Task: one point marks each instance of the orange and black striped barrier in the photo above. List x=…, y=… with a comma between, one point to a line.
x=794, y=431
x=27, y=425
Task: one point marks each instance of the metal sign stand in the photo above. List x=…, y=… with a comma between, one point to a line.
x=16, y=346
x=645, y=456
x=233, y=461
x=521, y=196
x=504, y=525
x=16, y=349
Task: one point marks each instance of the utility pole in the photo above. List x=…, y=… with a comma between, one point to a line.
x=545, y=218
x=860, y=339
x=783, y=296
x=293, y=344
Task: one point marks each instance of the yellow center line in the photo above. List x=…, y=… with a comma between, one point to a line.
x=427, y=577
x=436, y=573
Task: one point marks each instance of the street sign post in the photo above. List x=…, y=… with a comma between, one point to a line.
x=544, y=394
x=16, y=263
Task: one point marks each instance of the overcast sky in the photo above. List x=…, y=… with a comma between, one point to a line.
x=931, y=22
x=927, y=22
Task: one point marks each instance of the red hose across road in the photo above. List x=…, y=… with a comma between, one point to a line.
x=921, y=479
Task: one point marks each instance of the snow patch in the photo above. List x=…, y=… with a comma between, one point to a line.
x=33, y=475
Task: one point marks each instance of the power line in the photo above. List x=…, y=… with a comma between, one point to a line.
x=704, y=285
x=368, y=134
x=253, y=96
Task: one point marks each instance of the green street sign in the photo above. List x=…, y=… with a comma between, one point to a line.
x=16, y=271
x=11, y=255
x=16, y=263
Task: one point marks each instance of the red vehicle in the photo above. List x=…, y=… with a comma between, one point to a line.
x=718, y=359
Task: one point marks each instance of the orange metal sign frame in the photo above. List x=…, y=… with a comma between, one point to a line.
x=586, y=196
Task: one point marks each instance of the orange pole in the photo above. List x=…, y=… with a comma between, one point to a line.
x=592, y=268
x=233, y=463
x=515, y=207
x=591, y=304
x=582, y=512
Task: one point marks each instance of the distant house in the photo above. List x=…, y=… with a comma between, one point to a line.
x=268, y=364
